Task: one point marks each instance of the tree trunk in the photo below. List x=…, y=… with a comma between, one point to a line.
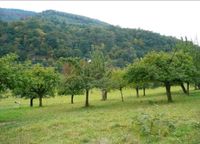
x=137, y=91
x=122, y=97
x=40, y=101
x=87, y=98
x=183, y=88
x=104, y=95
x=31, y=102
x=72, y=99
x=195, y=87
x=168, y=91
x=188, y=88
x=144, y=91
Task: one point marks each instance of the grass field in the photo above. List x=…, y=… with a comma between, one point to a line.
x=145, y=120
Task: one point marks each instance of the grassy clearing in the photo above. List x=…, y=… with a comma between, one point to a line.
x=148, y=119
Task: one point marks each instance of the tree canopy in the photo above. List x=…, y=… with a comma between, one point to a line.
x=36, y=81
x=8, y=72
x=167, y=68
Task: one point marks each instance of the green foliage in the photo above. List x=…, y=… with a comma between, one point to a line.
x=167, y=68
x=194, y=51
x=71, y=85
x=196, y=59
x=36, y=81
x=80, y=73
x=23, y=79
x=117, y=78
x=137, y=74
x=86, y=73
x=49, y=35
x=98, y=62
x=8, y=72
x=153, y=125
x=68, y=66
x=172, y=67
x=10, y=15
x=67, y=18
x=100, y=68
x=157, y=126
x=42, y=80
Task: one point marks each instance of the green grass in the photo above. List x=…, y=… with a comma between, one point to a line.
x=145, y=120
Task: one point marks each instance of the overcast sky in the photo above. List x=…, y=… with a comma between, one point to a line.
x=175, y=18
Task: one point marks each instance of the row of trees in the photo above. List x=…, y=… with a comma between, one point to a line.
x=179, y=67
x=74, y=76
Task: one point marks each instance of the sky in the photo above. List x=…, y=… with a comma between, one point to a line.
x=171, y=18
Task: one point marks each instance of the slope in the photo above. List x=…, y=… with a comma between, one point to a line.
x=50, y=35
x=10, y=15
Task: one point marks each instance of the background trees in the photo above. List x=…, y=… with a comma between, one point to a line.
x=47, y=36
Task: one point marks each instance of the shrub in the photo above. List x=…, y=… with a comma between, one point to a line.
x=153, y=125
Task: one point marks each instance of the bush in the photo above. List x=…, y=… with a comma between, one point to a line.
x=153, y=125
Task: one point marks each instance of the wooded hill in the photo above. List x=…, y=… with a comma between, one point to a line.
x=44, y=37
x=10, y=15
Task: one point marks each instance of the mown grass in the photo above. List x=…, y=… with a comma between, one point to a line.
x=144, y=120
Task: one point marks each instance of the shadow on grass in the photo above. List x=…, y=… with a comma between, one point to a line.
x=127, y=104
x=141, y=102
x=130, y=102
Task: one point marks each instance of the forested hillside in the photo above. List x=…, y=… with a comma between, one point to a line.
x=14, y=14
x=48, y=35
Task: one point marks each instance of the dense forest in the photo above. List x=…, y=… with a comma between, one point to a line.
x=10, y=15
x=44, y=37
